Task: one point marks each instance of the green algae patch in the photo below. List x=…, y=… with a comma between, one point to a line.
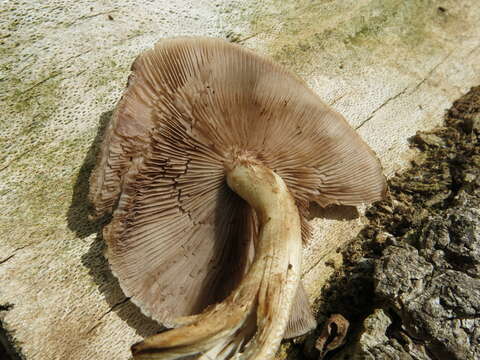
x=39, y=198
x=107, y=75
x=26, y=188
x=44, y=140
x=26, y=180
x=297, y=32
x=27, y=108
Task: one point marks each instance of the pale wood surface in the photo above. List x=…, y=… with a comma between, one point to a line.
x=63, y=66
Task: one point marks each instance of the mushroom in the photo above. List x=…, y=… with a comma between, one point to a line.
x=209, y=164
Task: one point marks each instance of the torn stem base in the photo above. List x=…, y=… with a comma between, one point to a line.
x=251, y=321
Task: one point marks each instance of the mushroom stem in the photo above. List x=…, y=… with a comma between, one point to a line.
x=279, y=250
x=251, y=321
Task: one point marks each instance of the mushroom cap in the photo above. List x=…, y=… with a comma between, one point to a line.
x=192, y=106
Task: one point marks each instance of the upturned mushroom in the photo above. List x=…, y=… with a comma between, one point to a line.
x=209, y=164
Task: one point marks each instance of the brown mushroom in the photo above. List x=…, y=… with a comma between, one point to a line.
x=209, y=164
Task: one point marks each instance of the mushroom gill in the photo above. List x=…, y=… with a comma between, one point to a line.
x=208, y=165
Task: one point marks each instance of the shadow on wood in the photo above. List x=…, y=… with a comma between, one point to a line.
x=79, y=222
x=80, y=207
x=333, y=212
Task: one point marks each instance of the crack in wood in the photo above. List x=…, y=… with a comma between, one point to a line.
x=91, y=16
x=13, y=254
x=6, y=259
x=372, y=114
x=429, y=73
x=26, y=152
x=338, y=98
x=414, y=89
x=55, y=74
x=113, y=307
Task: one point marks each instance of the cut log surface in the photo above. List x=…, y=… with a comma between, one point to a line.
x=390, y=67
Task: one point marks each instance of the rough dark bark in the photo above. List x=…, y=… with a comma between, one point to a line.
x=433, y=286
x=411, y=281
x=428, y=276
